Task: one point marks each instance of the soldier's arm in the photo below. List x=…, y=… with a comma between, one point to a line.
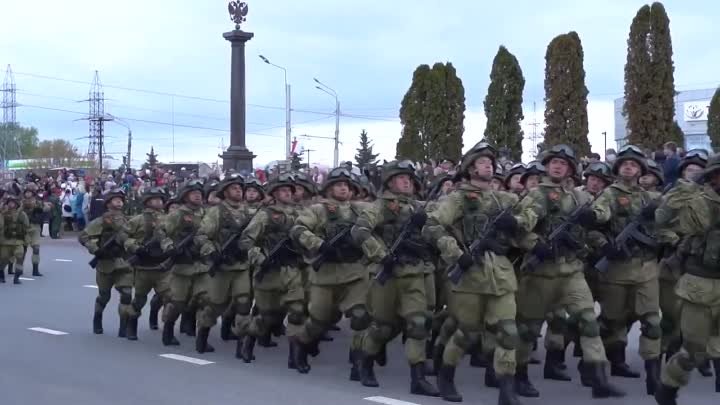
x=603, y=206
x=362, y=232
x=165, y=229
x=530, y=210
x=207, y=232
x=443, y=215
x=132, y=243
x=26, y=225
x=90, y=236
x=303, y=232
x=252, y=233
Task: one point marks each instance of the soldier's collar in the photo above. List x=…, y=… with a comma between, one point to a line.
x=232, y=204
x=619, y=185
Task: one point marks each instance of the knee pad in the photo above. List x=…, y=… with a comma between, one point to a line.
x=530, y=330
x=359, y=317
x=296, y=313
x=506, y=333
x=36, y=250
x=417, y=325
x=467, y=339
x=667, y=325
x=380, y=331
x=650, y=326
x=243, y=304
x=588, y=324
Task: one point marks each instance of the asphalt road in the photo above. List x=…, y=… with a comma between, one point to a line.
x=80, y=368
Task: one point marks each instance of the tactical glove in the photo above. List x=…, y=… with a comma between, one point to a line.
x=506, y=222
x=587, y=217
x=542, y=251
x=465, y=261
x=648, y=211
x=418, y=218
x=141, y=251
x=612, y=252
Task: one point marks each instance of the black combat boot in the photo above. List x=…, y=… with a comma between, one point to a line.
x=266, y=341
x=478, y=358
x=97, y=323
x=446, y=384
x=36, y=270
x=552, y=369
x=168, y=334
x=278, y=329
x=491, y=380
x=601, y=387
x=354, y=370
x=365, y=363
x=429, y=364
x=10, y=268
x=716, y=366
x=666, y=395
x=2, y=277
x=437, y=356
x=132, y=324
x=381, y=357
x=704, y=368
x=226, y=332
x=673, y=347
x=245, y=347
x=652, y=375
x=291, y=357
x=299, y=355
x=155, y=305
x=418, y=384
x=188, y=323
x=523, y=386
x=16, y=278
x=585, y=377
x=201, y=341
x=325, y=337
x=618, y=366
x=507, y=394
x=122, y=328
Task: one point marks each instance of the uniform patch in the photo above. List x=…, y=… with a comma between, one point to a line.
x=472, y=196
x=554, y=196
x=276, y=216
x=623, y=201
x=332, y=208
x=394, y=206
x=187, y=218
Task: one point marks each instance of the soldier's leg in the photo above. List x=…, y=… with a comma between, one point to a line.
x=352, y=303
x=382, y=303
x=713, y=346
x=431, y=296
x=4, y=261
x=617, y=302
x=35, y=245
x=210, y=293
x=123, y=282
x=557, y=321
x=180, y=287
x=670, y=305
x=143, y=283
x=500, y=321
x=647, y=309
x=18, y=255
x=267, y=312
x=104, y=282
x=321, y=312
x=160, y=298
x=579, y=303
x=241, y=304
x=535, y=295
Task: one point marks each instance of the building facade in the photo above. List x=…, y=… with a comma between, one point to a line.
x=691, y=112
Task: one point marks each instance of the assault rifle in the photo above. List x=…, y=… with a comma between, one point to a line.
x=272, y=258
x=320, y=259
x=103, y=249
x=226, y=246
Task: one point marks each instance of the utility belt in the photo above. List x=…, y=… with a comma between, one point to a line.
x=345, y=254
x=696, y=266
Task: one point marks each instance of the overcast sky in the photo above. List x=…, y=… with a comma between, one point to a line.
x=365, y=50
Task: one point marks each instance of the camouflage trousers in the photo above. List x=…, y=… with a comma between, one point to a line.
x=34, y=232
x=146, y=281
x=122, y=280
x=281, y=292
x=670, y=306
x=10, y=253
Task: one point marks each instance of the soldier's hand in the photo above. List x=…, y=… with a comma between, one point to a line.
x=465, y=261
x=648, y=211
x=542, y=251
x=388, y=262
x=612, y=252
x=506, y=222
x=141, y=251
x=418, y=218
x=587, y=217
x=212, y=257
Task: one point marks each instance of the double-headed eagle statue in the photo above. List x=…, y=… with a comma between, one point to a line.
x=238, y=10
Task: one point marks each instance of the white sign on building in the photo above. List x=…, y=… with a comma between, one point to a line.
x=696, y=110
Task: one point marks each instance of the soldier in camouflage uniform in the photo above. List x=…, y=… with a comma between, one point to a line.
x=401, y=300
x=654, y=179
x=279, y=291
x=104, y=238
x=254, y=194
x=180, y=226
x=16, y=234
x=696, y=225
x=530, y=179
x=484, y=298
x=512, y=179
x=557, y=285
x=629, y=289
x=151, y=264
x=172, y=205
x=35, y=211
x=341, y=280
x=210, y=192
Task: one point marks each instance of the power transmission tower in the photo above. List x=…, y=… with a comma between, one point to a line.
x=96, y=118
x=535, y=137
x=9, y=107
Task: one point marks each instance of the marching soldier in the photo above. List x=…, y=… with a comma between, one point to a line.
x=629, y=287
x=402, y=296
x=210, y=192
x=176, y=233
x=530, y=179
x=697, y=223
x=654, y=179
x=484, y=297
x=557, y=284
x=35, y=211
x=340, y=281
x=104, y=238
x=512, y=179
x=598, y=176
x=254, y=194
x=151, y=271
x=16, y=234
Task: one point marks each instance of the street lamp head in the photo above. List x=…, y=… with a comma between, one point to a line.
x=316, y=80
x=264, y=59
x=319, y=88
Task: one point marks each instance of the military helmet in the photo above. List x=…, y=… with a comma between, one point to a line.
x=339, y=174
x=367, y=186
x=230, y=178
x=534, y=168
x=656, y=170
x=398, y=167
x=599, y=169
x=210, y=186
x=561, y=151
x=713, y=165
x=190, y=186
x=695, y=157
x=13, y=198
x=170, y=201
x=518, y=168
x=480, y=149
x=113, y=193
x=301, y=179
x=630, y=152
x=256, y=184
x=155, y=192
x=283, y=180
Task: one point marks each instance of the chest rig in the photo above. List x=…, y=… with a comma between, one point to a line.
x=338, y=221
x=277, y=231
x=396, y=214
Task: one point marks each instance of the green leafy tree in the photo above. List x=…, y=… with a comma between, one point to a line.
x=503, y=104
x=17, y=142
x=649, y=105
x=365, y=156
x=432, y=114
x=56, y=153
x=566, y=119
x=152, y=160
x=714, y=120
x=296, y=162
x=675, y=135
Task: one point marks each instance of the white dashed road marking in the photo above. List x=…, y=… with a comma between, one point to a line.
x=193, y=360
x=388, y=401
x=90, y=286
x=48, y=331
x=63, y=260
x=26, y=279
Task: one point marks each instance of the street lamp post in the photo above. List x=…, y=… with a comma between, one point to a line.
x=328, y=90
x=605, y=140
x=288, y=129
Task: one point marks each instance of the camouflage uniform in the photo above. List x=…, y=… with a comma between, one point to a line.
x=35, y=211
x=698, y=231
x=187, y=271
x=557, y=286
x=629, y=289
x=484, y=298
x=104, y=238
x=16, y=234
x=231, y=281
x=402, y=300
x=340, y=283
x=151, y=267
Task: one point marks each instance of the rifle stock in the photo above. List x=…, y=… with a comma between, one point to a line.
x=271, y=258
x=322, y=258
